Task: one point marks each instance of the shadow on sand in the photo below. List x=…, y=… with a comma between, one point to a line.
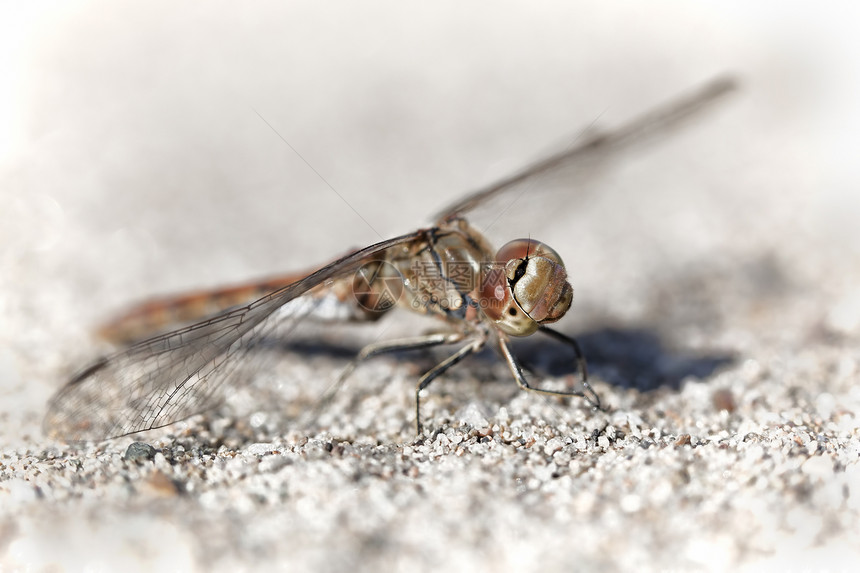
x=625, y=358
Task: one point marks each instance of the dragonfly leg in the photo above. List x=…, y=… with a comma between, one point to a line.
x=517, y=370
x=371, y=350
x=588, y=392
x=416, y=343
x=437, y=370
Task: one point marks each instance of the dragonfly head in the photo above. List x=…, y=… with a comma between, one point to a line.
x=526, y=287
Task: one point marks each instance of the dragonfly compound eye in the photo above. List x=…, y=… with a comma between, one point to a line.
x=527, y=287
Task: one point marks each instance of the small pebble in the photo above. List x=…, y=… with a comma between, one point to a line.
x=158, y=484
x=723, y=399
x=260, y=449
x=139, y=452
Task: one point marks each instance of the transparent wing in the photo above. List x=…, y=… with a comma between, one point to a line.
x=170, y=377
x=159, y=315
x=592, y=150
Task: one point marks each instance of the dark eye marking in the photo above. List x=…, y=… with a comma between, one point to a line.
x=521, y=270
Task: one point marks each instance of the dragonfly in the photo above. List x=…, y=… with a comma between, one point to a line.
x=448, y=271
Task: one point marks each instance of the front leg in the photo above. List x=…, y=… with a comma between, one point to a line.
x=517, y=370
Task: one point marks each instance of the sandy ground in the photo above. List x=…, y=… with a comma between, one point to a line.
x=715, y=274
